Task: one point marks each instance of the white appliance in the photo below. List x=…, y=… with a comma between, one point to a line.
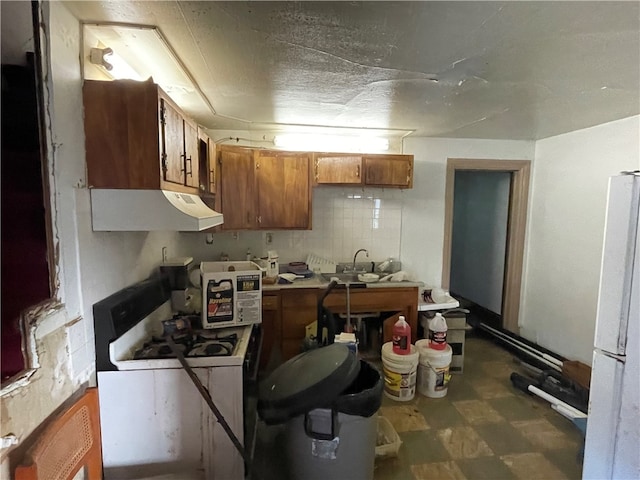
x=612, y=444
x=150, y=210
x=153, y=419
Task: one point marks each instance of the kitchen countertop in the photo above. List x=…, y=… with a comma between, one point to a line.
x=318, y=282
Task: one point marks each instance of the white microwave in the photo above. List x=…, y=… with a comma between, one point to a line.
x=231, y=294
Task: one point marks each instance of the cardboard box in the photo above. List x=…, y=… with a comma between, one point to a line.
x=231, y=294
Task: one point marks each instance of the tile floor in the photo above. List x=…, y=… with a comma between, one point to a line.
x=482, y=429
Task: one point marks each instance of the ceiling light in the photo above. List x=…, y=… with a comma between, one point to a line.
x=331, y=143
x=115, y=65
x=140, y=52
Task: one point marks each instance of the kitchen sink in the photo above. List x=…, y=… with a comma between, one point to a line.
x=342, y=277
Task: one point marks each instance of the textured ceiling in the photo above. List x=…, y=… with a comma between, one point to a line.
x=514, y=70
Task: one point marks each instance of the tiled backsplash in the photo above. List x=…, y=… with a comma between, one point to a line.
x=344, y=220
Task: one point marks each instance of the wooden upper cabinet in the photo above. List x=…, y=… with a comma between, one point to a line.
x=261, y=189
x=134, y=137
x=388, y=170
x=206, y=163
x=172, y=144
x=284, y=189
x=337, y=169
x=191, y=155
x=237, y=188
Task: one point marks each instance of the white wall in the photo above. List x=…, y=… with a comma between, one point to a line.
x=423, y=206
x=90, y=266
x=565, y=232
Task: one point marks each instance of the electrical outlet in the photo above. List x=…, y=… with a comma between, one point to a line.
x=234, y=235
x=268, y=238
x=164, y=254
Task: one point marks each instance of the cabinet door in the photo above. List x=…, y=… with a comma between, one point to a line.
x=388, y=170
x=237, y=189
x=173, y=144
x=270, y=327
x=299, y=309
x=206, y=164
x=284, y=190
x=191, y=161
x=338, y=169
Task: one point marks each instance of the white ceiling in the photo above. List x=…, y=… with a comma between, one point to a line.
x=513, y=70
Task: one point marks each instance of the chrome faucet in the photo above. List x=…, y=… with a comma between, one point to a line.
x=353, y=267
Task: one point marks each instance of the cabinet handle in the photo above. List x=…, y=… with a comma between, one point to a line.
x=190, y=172
x=357, y=171
x=408, y=174
x=212, y=179
x=259, y=218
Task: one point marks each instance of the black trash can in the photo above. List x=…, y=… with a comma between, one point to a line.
x=327, y=399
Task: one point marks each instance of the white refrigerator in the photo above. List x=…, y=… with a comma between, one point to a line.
x=612, y=443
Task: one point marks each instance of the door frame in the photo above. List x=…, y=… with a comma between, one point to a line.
x=516, y=224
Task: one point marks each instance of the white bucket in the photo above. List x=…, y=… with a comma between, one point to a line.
x=399, y=373
x=433, y=370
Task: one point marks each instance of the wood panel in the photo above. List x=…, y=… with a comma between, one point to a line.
x=271, y=327
x=237, y=188
x=173, y=136
x=401, y=299
x=192, y=162
x=299, y=309
x=120, y=135
x=388, y=170
x=284, y=190
x=337, y=169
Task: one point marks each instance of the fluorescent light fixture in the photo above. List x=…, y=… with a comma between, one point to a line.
x=331, y=143
x=140, y=52
x=114, y=64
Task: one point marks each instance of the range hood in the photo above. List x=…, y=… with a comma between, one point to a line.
x=150, y=210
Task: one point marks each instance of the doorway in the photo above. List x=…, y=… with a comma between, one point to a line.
x=507, y=298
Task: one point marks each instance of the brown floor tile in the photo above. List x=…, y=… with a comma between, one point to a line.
x=567, y=460
x=463, y=442
x=502, y=438
x=437, y=471
x=499, y=369
x=392, y=469
x=532, y=466
x=405, y=418
x=422, y=447
x=489, y=388
x=440, y=413
x=542, y=434
x=485, y=468
x=461, y=389
x=515, y=408
x=478, y=412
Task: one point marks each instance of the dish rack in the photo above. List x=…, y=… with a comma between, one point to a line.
x=319, y=264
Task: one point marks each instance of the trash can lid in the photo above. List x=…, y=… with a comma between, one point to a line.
x=313, y=379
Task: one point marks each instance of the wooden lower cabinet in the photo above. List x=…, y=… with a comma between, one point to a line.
x=287, y=312
x=299, y=309
x=271, y=327
x=394, y=299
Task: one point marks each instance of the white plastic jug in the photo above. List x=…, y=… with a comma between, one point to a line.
x=438, y=332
